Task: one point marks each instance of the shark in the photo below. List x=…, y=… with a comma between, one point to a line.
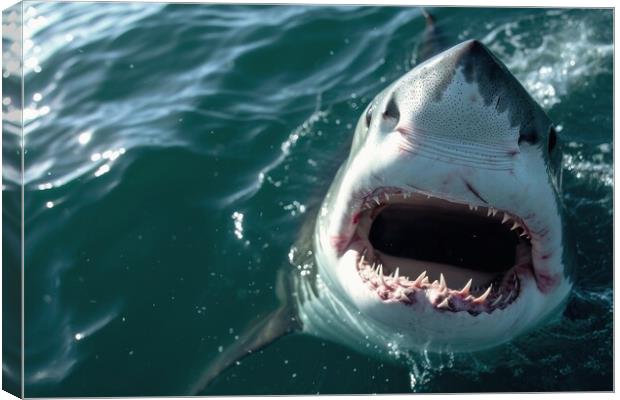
x=444, y=229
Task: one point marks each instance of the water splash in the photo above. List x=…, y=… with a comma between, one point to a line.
x=424, y=366
x=595, y=171
x=562, y=54
x=238, y=222
x=295, y=208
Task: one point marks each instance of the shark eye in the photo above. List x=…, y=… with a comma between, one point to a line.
x=552, y=139
x=528, y=135
x=369, y=113
x=391, y=110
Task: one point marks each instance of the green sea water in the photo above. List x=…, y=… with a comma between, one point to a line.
x=172, y=153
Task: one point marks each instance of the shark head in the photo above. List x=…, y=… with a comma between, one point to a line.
x=445, y=224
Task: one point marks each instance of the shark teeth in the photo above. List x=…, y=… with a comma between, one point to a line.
x=392, y=194
x=465, y=290
x=420, y=278
x=445, y=303
x=491, y=212
x=442, y=283
x=483, y=296
x=392, y=286
x=506, y=218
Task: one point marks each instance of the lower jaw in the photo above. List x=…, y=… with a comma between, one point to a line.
x=392, y=286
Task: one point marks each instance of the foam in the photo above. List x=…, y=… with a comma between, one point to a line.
x=550, y=61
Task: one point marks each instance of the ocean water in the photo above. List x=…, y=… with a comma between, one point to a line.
x=172, y=153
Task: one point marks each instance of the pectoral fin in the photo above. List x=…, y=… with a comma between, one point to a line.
x=275, y=325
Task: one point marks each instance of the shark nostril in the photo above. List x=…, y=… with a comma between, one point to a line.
x=391, y=110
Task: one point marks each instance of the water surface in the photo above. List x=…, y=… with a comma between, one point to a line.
x=172, y=153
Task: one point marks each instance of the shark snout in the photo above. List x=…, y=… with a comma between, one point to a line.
x=464, y=97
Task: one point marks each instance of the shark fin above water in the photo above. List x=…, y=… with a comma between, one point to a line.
x=433, y=40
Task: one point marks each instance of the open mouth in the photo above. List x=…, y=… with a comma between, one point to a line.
x=460, y=257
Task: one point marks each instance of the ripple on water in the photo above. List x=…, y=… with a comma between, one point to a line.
x=52, y=358
x=152, y=122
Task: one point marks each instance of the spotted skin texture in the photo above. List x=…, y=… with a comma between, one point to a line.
x=498, y=92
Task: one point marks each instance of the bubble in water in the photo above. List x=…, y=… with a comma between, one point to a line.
x=565, y=56
x=102, y=170
x=238, y=222
x=85, y=137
